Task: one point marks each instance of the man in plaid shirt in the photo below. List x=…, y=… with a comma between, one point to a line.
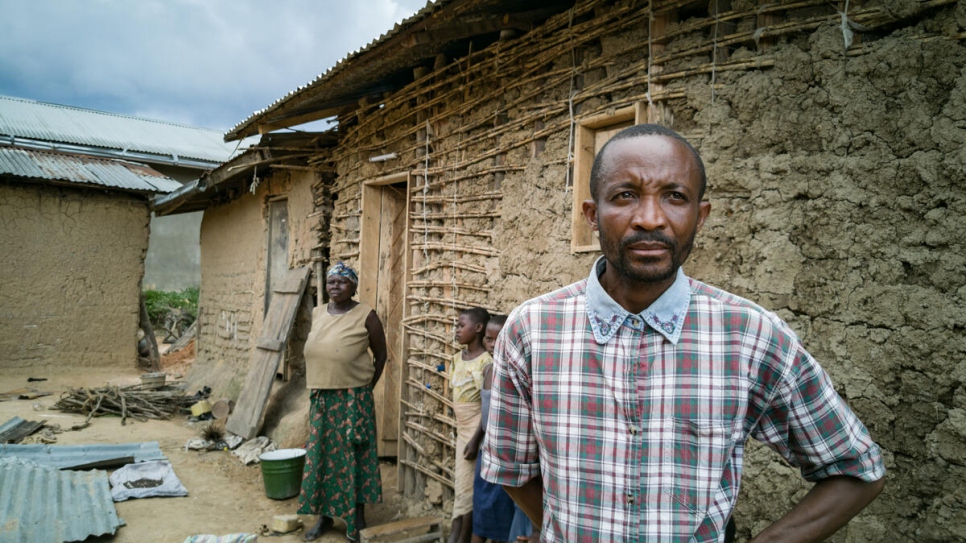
x=621, y=404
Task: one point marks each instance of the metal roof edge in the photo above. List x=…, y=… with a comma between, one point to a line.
x=37, y=166
x=166, y=204
x=104, y=152
x=246, y=127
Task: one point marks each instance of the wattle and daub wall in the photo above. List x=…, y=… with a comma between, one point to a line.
x=837, y=186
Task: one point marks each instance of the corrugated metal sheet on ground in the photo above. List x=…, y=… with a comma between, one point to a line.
x=119, y=174
x=66, y=124
x=16, y=429
x=42, y=504
x=63, y=456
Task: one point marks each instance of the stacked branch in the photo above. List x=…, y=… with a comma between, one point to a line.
x=133, y=402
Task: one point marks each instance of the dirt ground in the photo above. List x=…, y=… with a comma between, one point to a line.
x=224, y=496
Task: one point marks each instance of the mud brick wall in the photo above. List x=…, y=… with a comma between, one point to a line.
x=838, y=194
x=71, y=275
x=234, y=244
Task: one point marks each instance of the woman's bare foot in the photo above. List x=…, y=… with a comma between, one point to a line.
x=323, y=525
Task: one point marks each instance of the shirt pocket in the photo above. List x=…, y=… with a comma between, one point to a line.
x=695, y=455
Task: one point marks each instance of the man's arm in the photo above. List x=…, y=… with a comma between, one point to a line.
x=530, y=498
x=830, y=504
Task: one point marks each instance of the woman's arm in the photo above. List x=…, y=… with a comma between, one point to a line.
x=377, y=342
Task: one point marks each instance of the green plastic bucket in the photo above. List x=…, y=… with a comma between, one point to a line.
x=282, y=472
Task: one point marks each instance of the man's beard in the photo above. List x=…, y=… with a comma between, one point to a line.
x=624, y=267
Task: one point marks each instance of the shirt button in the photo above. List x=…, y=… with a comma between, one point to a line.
x=630, y=499
x=633, y=430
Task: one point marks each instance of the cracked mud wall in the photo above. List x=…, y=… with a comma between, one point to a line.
x=840, y=202
x=234, y=240
x=838, y=198
x=70, y=280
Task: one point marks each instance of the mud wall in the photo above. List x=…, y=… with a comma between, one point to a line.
x=836, y=180
x=840, y=202
x=70, y=279
x=234, y=242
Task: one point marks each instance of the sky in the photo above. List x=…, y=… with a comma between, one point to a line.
x=205, y=63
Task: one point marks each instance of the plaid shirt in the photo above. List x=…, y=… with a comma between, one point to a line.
x=637, y=423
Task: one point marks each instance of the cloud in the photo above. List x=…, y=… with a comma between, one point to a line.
x=207, y=63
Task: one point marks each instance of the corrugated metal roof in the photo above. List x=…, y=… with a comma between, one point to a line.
x=427, y=10
x=58, y=123
x=49, y=166
x=40, y=503
x=65, y=456
x=442, y=27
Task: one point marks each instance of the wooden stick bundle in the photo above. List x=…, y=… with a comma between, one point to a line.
x=132, y=401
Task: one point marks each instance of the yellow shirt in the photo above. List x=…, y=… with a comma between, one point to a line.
x=337, y=349
x=467, y=377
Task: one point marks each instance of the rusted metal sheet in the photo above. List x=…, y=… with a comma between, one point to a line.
x=15, y=429
x=42, y=165
x=41, y=503
x=20, y=118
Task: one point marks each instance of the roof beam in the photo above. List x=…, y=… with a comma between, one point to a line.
x=475, y=26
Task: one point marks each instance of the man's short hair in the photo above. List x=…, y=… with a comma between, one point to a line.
x=637, y=131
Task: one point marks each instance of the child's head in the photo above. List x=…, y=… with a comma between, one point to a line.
x=493, y=327
x=471, y=325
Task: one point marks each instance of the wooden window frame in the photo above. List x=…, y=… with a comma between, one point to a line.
x=582, y=235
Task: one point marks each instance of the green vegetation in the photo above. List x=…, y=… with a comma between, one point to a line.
x=170, y=311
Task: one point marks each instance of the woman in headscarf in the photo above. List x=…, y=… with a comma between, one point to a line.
x=342, y=466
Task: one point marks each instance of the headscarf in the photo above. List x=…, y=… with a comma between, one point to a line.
x=344, y=271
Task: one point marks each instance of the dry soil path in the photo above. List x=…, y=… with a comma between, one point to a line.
x=224, y=495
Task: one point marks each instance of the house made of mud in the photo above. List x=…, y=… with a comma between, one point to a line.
x=460, y=151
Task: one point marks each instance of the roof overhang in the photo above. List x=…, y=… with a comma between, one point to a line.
x=446, y=27
x=234, y=178
x=67, y=169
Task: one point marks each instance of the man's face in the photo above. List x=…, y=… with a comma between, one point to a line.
x=648, y=208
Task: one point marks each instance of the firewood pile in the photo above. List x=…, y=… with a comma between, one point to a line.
x=127, y=402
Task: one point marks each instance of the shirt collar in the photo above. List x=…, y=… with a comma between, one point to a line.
x=665, y=315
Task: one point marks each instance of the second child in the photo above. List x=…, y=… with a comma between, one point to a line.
x=466, y=380
x=493, y=508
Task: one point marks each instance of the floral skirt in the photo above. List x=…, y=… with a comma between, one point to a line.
x=341, y=462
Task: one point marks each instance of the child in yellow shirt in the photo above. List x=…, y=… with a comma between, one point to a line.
x=466, y=380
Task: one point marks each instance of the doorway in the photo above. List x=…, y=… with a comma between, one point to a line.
x=383, y=270
x=277, y=259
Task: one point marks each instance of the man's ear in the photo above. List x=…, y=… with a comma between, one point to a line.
x=589, y=208
x=704, y=209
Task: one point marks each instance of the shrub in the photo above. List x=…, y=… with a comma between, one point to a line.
x=172, y=311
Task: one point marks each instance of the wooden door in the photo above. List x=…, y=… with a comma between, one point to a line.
x=382, y=286
x=277, y=259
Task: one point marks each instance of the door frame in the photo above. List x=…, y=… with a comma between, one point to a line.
x=369, y=235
